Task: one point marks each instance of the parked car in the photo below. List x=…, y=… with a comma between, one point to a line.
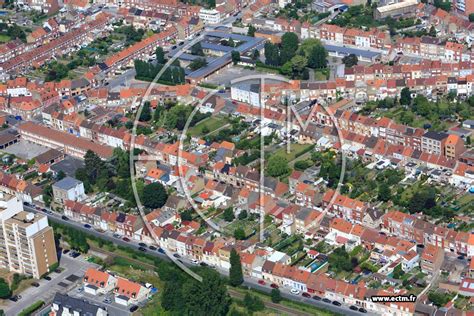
x=317, y=298
x=35, y=284
x=294, y=291
x=325, y=300
x=274, y=286
x=116, y=235
x=14, y=298
x=194, y=261
x=354, y=308
x=161, y=250
x=87, y=226
x=261, y=282
x=142, y=249
x=125, y=239
x=203, y=264
x=305, y=294
x=362, y=310
x=65, y=251
x=336, y=303
x=152, y=248
x=64, y=217
x=47, y=278
x=107, y=300
x=142, y=244
x=81, y=289
x=133, y=308
x=176, y=255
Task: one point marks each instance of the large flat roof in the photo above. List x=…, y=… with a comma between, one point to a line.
x=249, y=43
x=348, y=51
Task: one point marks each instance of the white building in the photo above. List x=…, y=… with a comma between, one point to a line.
x=68, y=189
x=210, y=16
x=247, y=93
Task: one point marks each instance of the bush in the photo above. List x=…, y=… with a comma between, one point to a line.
x=33, y=308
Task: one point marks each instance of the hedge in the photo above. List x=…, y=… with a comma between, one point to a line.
x=31, y=309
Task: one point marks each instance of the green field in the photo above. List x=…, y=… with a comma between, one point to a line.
x=4, y=38
x=294, y=150
x=212, y=123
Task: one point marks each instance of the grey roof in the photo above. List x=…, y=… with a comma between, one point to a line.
x=348, y=51
x=67, y=183
x=83, y=307
x=435, y=135
x=248, y=44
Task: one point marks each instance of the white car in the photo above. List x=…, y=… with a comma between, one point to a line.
x=194, y=261
x=294, y=291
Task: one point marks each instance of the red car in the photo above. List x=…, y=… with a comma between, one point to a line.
x=261, y=282
x=305, y=294
x=273, y=285
x=125, y=239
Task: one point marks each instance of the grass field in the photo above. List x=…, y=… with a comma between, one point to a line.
x=4, y=38
x=212, y=123
x=294, y=150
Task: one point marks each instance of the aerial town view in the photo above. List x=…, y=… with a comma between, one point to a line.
x=236, y=157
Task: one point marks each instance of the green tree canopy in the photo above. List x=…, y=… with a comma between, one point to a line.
x=236, y=276
x=154, y=195
x=277, y=166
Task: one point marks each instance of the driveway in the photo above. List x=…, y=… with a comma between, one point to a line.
x=47, y=289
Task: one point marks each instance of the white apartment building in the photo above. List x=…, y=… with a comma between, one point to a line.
x=210, y=16
x=26, y=239
x=247, y=93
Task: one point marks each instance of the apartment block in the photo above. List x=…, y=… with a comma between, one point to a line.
x=26, y=239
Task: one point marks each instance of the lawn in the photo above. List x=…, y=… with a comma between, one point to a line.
x=211, y=124
x=4, y=38
x=295, y=151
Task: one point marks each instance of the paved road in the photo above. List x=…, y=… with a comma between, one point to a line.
x=47, y=289
x=250, y=282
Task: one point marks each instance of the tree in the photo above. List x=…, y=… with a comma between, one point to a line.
x=253, y=303
x=243, y=215
x=154, y=195
x=317, y=58
x=229, y=214
x=197, y=49
x=5, y=291
x=251, y=31
x=255, y=54
x=350, y=60
x=236, y=276
x=277, y=166
x=405, y=96
x=272, y=54
x=298, y=64
x=398, y=272
x=276, y=296
x=145, y=115
x=48, y=194
x=339, y=260
x=239, y=233
x=197, y=63
x=160, y=55
x=384, y=193
x=172, y=297
x=443, y=5
x=235, y=57
x=208, y=297
x=289, y=45
x=471, y=17
x=432, y=32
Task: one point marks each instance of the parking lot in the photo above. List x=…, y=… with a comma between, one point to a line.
x=72, y=271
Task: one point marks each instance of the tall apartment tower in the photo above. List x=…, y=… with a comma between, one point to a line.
x=26, y=239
